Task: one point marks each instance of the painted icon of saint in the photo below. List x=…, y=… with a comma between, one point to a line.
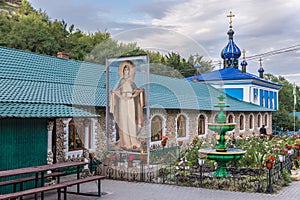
x=126, y=104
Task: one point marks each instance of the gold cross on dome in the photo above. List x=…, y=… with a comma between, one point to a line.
x=244, y=54
x=231, y=15
x=260, y=60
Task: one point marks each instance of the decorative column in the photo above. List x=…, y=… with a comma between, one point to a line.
x=86, y=141
x=49, y=149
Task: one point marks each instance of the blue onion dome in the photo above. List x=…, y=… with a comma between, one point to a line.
x=260, y=70
x=244, y=63
x=231, y=50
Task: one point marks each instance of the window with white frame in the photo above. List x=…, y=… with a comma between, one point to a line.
x=216, y=118
x=181, y=126
x=266, y=119
x=80, y=134
x=156, y=128
x=242, y=122
x=76, y=135
x=259, y=120
x=230, y=118
x=201, y=125
x=251, y=122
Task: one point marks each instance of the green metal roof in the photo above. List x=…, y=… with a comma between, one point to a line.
x=32, y=78
x=171, y=93
x=41, y=110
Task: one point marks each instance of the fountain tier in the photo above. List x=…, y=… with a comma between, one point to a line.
x=221, y=154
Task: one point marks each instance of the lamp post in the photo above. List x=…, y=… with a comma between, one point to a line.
x=281, y=160
x=201, y=163
x=270, y=166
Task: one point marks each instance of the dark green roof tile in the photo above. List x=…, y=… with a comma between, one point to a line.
x=41, y=110
x=31, y=78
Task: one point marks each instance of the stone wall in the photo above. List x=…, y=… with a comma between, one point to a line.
x=170, y=118
x=60, y=139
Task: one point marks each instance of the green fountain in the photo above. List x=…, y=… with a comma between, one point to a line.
x=221, y=154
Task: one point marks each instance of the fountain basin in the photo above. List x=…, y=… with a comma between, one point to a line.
x=222, y=158
x=221, y=127
x=230, y=154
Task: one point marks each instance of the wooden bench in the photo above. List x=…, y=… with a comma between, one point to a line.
x=31, y=178
x=58, y=187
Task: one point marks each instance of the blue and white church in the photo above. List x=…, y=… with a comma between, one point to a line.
x=237, y=82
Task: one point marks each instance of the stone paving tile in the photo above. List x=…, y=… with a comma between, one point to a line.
x=122, y=190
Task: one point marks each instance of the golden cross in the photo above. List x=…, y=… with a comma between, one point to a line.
x=260, y=60
x=244, y=54
x=230, y=18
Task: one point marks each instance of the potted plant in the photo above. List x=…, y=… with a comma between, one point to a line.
x=114, y=159
x=288, y=146
x=143, y=156
x=180, y=142
x=270, y=162
x=130, y=160
x=164, y=141
x=106, y=160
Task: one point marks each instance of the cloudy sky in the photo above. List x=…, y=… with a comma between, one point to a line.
x=193, y=26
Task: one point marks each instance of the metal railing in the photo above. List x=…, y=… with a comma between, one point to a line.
x=163, y=170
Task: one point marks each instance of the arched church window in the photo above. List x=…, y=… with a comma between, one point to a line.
x=76, y=135
x=216, y=118
x=230, y=119
x=266, y=119
x=242, y=122
x=181, y=126
x=201, y=125
x=259, y=121
x=156, y=129
x=251, y=121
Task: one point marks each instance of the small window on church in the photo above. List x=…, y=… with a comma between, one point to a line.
x=259, y=121
x=181, y=126
x=201, y=125
x=266, y=119
x=76, y=135
x=156, y=129
x=242, y=122
x=230, y=119
x=251, y=121
x=216, y=118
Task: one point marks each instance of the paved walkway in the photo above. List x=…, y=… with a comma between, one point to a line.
x=122, y=190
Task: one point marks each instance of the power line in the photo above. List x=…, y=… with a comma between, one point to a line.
x=274, y=52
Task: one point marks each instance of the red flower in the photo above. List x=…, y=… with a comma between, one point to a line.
x=272, y=158
x=165, y=138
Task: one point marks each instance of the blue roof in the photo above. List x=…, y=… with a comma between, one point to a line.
x=29, y=78
x=230, y=73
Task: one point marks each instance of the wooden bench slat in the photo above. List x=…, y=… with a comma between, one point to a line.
x=50, y=187
x=82, y=180
x=32, y=191
x=31, y=178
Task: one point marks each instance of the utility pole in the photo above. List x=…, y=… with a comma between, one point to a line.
x=295, y=101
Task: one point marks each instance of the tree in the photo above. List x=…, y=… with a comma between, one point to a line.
x=282, y=117
x=110, y=48
x=205, y=65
